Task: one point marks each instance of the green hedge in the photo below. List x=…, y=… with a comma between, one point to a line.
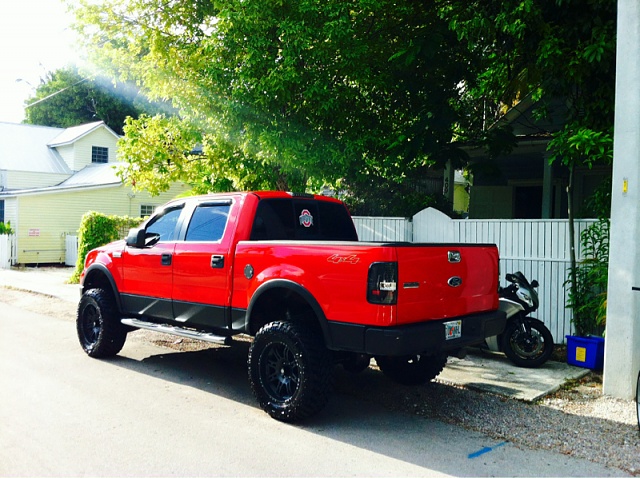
x=97, y=229
x=6, y=228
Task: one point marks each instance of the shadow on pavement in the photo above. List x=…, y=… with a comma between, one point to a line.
x=369, y=411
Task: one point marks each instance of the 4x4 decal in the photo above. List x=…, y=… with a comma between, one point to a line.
x=338, y=259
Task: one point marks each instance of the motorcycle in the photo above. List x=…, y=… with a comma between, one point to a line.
x=526, y=341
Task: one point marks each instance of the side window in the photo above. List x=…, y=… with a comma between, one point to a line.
x=165, y=225
x=208, y=222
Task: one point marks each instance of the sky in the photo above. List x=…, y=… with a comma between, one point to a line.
x=35, y=38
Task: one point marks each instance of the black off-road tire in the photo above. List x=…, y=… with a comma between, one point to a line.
x=412, y=369
x=100, y=331
x=527, y=351
x=290, y=370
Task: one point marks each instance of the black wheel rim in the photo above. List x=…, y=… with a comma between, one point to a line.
x=280, y=372
x=528, y=346
x=91, y=325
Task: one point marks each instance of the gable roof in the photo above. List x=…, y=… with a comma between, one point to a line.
x=70, y=135
x=525, y=124
x=24, y=148
x=90, y=177
x=98, y=174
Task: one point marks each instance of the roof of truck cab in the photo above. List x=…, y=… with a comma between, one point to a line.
x=259, y=194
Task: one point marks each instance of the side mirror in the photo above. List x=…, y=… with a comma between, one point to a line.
x=534, y=283
x=136, y=238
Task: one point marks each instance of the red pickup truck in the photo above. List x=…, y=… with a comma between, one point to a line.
x=288, y=270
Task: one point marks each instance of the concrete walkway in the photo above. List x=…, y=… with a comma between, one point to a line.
x=50, y=281
x=481, y=371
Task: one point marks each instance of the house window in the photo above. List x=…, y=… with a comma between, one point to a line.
x=99, y=154
x=2, y=210
x=146, y=210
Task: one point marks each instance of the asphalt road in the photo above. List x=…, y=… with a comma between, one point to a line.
x=155, y=412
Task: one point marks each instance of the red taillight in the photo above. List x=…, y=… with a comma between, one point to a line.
x=382, y=283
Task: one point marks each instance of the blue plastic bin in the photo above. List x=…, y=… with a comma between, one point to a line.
x=587, y=352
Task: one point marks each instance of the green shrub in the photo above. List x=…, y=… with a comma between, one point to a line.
x=97, y=229
x=589, y=303
x=6, y=228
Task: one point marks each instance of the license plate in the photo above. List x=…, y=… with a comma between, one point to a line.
x=453, y=329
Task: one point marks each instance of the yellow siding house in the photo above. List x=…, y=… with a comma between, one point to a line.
x=50, y=177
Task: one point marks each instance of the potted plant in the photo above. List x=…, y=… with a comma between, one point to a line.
x=588, y=298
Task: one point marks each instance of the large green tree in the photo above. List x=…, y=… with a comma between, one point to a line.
x=552, y=50
x=66, y=98
x=357, y=94
x=363, y=95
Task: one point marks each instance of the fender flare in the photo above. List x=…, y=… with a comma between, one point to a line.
x=103, y=270
x=302, y=292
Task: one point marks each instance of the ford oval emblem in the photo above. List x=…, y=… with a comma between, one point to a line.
x=455, y=281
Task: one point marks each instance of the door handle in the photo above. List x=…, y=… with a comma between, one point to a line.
x=217, y=261
x=166, y=260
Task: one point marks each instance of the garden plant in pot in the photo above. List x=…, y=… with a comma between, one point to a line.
x=588, y=298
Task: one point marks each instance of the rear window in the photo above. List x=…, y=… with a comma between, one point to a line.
x=302, y=220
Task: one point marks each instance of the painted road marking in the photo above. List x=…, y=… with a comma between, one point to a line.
x=486, y=449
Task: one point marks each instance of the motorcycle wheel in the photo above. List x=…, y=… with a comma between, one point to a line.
x=524, y=349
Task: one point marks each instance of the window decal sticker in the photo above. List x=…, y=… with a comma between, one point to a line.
x=306, y=219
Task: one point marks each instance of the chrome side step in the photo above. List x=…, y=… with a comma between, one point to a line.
x=170, y=329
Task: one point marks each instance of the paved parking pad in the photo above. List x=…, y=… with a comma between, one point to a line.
x=494, y=373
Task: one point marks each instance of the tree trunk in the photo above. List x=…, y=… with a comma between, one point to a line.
x=572, y=245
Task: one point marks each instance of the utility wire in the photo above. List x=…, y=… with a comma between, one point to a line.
x=55, y=93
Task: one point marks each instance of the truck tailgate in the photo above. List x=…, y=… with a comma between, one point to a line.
x=439, y=281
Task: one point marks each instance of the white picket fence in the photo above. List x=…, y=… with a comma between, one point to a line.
x=538, y=248
x=7, y=250
x=381, y=229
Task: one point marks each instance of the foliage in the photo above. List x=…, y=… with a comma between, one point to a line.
x=97, y=229
x=554, y=50
x=578, y=145
x=377, y=200
x=286, y=95
x=558, y=50
x=588, y=298
x=6, y=228
x=66, y=98
x=358, y=95
x=598, y=205
x=164, y=152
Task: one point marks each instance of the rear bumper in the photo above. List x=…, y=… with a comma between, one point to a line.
x=423, y=338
